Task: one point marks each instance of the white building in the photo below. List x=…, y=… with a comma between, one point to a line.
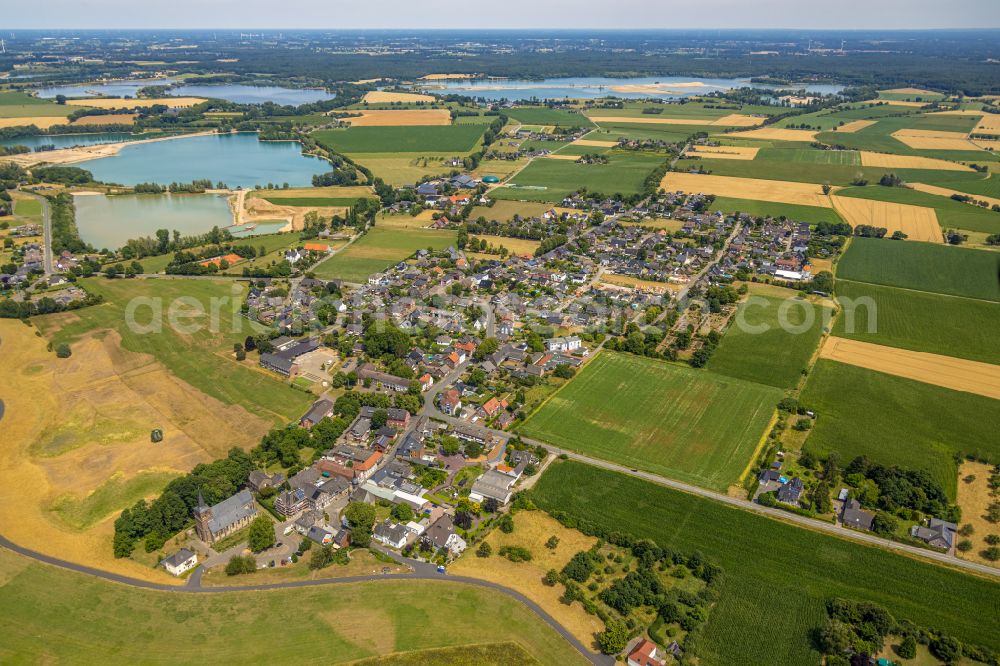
x=181, y=561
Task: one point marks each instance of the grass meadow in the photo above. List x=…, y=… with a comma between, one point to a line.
x=544, y=116
x=919, y=321
x=898, y=421
x=922, y=266
x=201, y=359
x=810, y=214
x=623, y=174
x=456, y=139
x=351, y=621
x=687, y=424
x=378, y=249
x=777, y=576
x=776, y=357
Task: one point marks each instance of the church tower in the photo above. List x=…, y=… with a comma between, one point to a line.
x=202, y=514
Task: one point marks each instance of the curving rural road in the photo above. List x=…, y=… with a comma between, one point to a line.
x=421, y=571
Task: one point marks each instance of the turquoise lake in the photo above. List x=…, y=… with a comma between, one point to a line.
x=244, y=94
x=123, y=88
x=109, y=221
x=238, y=160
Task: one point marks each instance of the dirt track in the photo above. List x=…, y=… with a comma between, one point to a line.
x=953, y=373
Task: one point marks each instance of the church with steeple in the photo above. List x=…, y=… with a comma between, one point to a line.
x=212, y=523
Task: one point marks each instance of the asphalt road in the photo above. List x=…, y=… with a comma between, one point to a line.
x=421, y=571
x=46, y=230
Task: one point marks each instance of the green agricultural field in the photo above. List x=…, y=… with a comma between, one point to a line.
x=489, y=654
x=687, y=424
x=777, y=576
x=811, y=156
x=28, y=207
x=898, y=421
x=454, y=139
x=21, y=99
x=669, y=133
x=770, y=341
x=929, y=267
x=810, y=214
x=552, y=180
x=503, y=211
x=270, y=242
x=919, y=321
x=951, y=214
x=350, y=621
x=200, y=358
x=987, y=187
x=378, y=249
x=878, y=137
x=545, y=117
x=806, y=172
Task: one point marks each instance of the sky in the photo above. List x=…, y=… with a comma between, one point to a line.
x=618, y=14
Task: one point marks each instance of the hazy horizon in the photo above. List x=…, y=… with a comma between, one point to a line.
x=516, y=14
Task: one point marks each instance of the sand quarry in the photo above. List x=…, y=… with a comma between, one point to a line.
x=407, y=117
x=957, y=374
x=254, y=209
x=73, y=425
x=777, y=191
x=917, y=222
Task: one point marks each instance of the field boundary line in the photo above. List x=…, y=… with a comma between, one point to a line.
x=757, y=449
x=917, y=291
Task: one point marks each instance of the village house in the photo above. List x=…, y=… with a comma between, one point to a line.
x=937, y=533
x=320, y=410
x=368, y=373
x=494, y=484
x=180, y=562
x=391, y=534
x=645, y=653
x=854, y=516
x=442, y=535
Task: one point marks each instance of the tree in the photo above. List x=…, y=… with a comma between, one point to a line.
x=402, y=513
x=614, y=638
x=63, y=351
x=241, y=564
x=835, y=637
x=261, y=534
x=321, y=557
x=379, y=418
x=884, y=524
x=907, y=649
x=484, y=550
x=361, y=518
x=552, y=542
x=946, y=648
x=506, y=523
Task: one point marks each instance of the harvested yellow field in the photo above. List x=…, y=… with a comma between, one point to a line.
x=917, y=222
x=724, y=152
x=896, y=102
x=888, y=161
x=855, y=125
x=738, y=120
x=41, y=122
x=953, y=373
x=568, y=158
x=910, y=91
x=593, y=143
x=73, y=426
x=522, y=247
x=650, y=286
x=382, y=97
x=531, y=530
x=445, y=77
x=405, y=117
x=776, y=134
x=948, y=192
x=111, y=103
x=110, y=119
x=974, y=498
x=934, y=140
x=990, y=124
x=778, y=191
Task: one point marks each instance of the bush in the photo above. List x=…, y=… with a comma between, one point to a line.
x=241, y=564
x=63, y=351
x=552, y=542
x=506, y=523
x=484, y=550
x=946, y=648
x=261, y=534
x=614, y=638
x=516, y=553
